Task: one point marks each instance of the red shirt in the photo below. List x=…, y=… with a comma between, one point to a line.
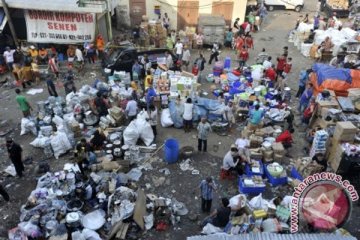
x=249, y=42
x=244, y=55
x=281, y=63
x=284, y=137
x=271, y=74
x=239, y=43
x=287, y=67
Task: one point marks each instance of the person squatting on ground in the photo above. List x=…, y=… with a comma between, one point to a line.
x=204, y=130
x=207, y=187
x=15, y=155
x=220, y=217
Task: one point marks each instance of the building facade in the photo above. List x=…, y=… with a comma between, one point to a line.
x=181, y=12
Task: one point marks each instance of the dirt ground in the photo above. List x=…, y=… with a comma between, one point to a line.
x=181, y=185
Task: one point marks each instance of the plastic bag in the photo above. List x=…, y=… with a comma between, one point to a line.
x=30, y=229
x=259, y=203
x=175, y=113
x=40, y=142
x=90, y=234
x=131, y=134
x=60, y=144
x=166, y=120
x=210, y=229
x=145, y=130
x=27, y=125
x=237, y=202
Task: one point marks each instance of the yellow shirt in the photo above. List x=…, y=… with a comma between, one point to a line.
x=148, y=81
x=33, y=52
x=133, y=85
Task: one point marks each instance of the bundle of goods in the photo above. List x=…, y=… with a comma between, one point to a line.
x=251, y=185
x=319, y=143
x=338, y=4
x=306, y=167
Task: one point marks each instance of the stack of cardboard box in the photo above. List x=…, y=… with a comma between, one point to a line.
x=344, y=132
x=279, y=151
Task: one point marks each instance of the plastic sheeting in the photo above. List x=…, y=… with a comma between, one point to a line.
x=336, y=79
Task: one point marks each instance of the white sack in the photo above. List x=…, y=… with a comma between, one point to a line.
x=237, y=202
x=210, y=229
x=60, y=144
x=27, y=126
x=131, y=134
x=305, y=49
x=259, y=203
x=145, y=130
x=40, y=142
x=166, y=120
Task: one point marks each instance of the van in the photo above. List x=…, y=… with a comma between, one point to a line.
x=296, y=5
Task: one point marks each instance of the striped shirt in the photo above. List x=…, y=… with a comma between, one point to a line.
x=207, y=190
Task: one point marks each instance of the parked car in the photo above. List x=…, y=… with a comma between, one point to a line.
x=296, y=5
x=122, y=58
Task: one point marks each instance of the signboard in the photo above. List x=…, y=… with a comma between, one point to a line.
x=59, y=27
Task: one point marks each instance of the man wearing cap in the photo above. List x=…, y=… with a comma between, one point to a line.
x=204, y=129
x=9, y=58
x=33, y=53
x=15, y=155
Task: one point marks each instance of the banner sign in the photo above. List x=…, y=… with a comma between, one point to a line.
x=59, y=27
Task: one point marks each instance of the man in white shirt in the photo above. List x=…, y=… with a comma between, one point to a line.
x=186, y=57
x=231, y=159
x=131, y=109
x=199, y=40
x=153, y=119
x=9, y=57
x=79, y=58
x=179, y=49
x=169, y=60
x=267, y=63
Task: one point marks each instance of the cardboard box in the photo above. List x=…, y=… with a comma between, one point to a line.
x=335, y=154
x=345, y=131
x=333, y=103
x=255, y=141
x=278, y=148
x=268, y=154
x=256, y=153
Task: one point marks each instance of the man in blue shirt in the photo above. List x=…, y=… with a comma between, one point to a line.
x=304, y=75
x=137, y=69
x=305, y=98
x=207, y=187
x=150, y=94
x=256, y=116
x=229, y=38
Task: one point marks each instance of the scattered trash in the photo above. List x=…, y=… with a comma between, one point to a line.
x=166, y=171
x=10, y=170
x=34, y=91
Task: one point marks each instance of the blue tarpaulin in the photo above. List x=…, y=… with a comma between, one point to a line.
x=326, y=72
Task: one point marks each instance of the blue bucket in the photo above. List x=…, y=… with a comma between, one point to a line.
x=171, y=150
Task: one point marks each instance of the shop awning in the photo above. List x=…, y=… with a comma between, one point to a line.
x=57, y=5
x=3, y=19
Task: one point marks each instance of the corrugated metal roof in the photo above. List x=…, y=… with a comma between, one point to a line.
x=272, y=236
